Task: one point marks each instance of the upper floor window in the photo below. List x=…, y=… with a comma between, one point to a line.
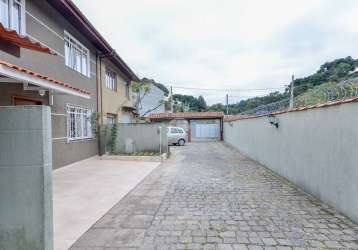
x=111, y=80
x=77, y=56
x=12, y=15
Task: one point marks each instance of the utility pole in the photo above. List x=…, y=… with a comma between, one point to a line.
x=291, y=90
x=227, y=104
x=171, y=99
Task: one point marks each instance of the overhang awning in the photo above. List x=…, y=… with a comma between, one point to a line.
x=14, y=38
x=27, y=76
x=128, y=105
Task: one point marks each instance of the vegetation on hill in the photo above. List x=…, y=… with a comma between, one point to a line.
x=185, y=103
x=307, y=89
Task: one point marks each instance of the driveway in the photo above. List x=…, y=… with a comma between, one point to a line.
x=85, y=191
x=208, y=196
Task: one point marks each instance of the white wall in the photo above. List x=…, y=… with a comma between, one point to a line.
x=317, y=149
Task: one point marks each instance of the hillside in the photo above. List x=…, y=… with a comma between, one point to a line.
x=318, y=87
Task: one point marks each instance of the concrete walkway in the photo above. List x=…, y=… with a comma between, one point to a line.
x=85, y=191
x=208, y=196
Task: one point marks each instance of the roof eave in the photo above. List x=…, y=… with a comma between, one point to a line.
x=72, y=13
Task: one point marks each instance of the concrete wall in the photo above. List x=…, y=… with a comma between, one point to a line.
x=317, y=149
x=45, y=24
x=141, y=137
x=25, y=178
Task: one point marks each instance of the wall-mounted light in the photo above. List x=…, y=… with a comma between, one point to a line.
x=273, y=120
x=42, y=92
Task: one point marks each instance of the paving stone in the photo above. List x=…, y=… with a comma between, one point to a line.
x=269, y=241
x=239, y=247
x=209, y=197
x=332, y=244
x=225, y=247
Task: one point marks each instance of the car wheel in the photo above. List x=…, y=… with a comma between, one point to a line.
x=181, y=142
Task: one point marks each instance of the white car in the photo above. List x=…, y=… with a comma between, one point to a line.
x=176, y=136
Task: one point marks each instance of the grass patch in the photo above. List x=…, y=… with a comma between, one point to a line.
x=142, y=153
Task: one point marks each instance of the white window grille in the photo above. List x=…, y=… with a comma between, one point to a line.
x=78, y=123
x=77, y=56
x=12, y=15
x=111, y=80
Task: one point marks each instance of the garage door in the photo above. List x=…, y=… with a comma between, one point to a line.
x=205, y=129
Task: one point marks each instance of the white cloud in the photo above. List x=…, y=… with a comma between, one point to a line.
x=226, y=44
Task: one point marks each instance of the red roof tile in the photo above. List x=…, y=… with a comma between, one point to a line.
x=22, y=41
x=38, y=75
x=186, y=115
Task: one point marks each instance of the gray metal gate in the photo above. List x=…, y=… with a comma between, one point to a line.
x=205, y=129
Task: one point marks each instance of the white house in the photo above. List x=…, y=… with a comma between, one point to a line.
x=153, y=101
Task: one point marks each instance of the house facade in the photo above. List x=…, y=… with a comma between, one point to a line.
x=116, y=102
x=67, y=79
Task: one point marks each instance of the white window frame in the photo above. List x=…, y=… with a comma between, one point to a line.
x=79, y=128
x=111, y=119
x=111, y=79
x=22, y=4
x=74, y=43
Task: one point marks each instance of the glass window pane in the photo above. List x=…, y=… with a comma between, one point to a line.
x=4, y=13
x=84, y=65
x=67, y=53
x=78, y=60
x=85, y=124
x=16, y=17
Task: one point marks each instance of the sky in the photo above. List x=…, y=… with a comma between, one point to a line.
x=231, y=46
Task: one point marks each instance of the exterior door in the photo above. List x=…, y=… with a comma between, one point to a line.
x=20, y=100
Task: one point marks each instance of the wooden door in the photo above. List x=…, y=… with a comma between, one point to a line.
x=20, y=100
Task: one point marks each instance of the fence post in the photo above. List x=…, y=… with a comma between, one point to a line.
x=160, y=140
x=291, y=90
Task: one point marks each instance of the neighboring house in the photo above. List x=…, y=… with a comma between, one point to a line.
x=200, y=126
x=153, y=101
x=67, y=81
x=116, y=103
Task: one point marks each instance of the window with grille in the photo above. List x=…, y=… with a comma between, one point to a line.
x=78, y=123
x=77, y=56
x=12, y=15
x=111, y=80
x=111, y=119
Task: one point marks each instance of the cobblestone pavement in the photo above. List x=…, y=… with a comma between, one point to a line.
x=208, y=196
